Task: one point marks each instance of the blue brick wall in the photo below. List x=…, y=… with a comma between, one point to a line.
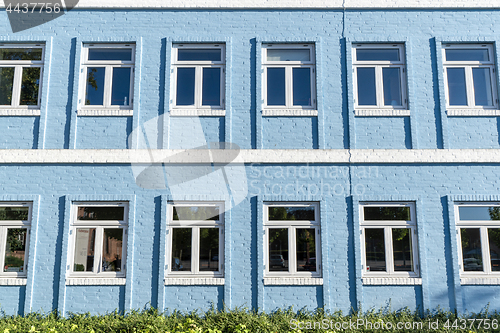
x=392, y=298
x=102, y=298
x=474, y=132
x=383, y=132
x=103, y=132
x=191, y=132
x=12, y=299
x=289, y=133
x=19, y=132
x=189, y=298
x=296, y=297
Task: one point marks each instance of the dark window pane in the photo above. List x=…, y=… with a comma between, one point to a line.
x=181, y=249
x=209, y=249
x=377, y=54
x=387, y=213
x=291, y=213
x=482, y=86
x=211, y=86
x=278, y=250
x=15, y=249
x=6, y=83
x=120, y=92
x=457, y=90
x=479, y=213
x=367, y=94
x=288, y=55
x=20, y=54
x=84, y=250
x=196, y=213
x=494, y=240
x=471, y=249
x=30, y=85
x=403, y=251
x=392, y=86
x=110, y=54
x=185, y=86
x=306, y=249
x=95, y=86
x=276, y=86
x=375, y=250
x=467, y=55
x=112, y=249
x=302, y=86
x=101, y=213
x=14, y=213
x=199, y=54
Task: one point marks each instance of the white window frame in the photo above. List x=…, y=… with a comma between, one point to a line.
x=18, y=73
x=379, y=84
x=99, y=225
x=469, y=82
x=289, y=65
x=389, y=253
x=292, y=226
x=15, y=224
x=199, y=66
x=108, y=76
x=195, y=226
x=485, y=243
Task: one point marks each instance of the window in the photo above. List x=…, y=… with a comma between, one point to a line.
x=289, y=76
x=195, y=242
x=292, y=240
x=469, y=71
x=15, y=221
x=478, y=229
x=379, y=76
x=389, y=238
x=21, y=68
x=198, y=76
x=99, y=240
x=107, y=73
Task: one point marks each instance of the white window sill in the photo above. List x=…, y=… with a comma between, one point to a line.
x=289, y=112
x=293, y=281
x=381, y=113
x=472, y=112
x=392, y=281
x=105, y=113
x=4, y=281
x=197, y=112
x=95, y=281
x=480, y=280
x=19, y=112
x=193, y=281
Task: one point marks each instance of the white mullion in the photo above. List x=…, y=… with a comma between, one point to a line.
x=415, y=257
x=493, y=86
x=363, y=251
x=460, y=250
x=288, y=86
x=16, y=86
x=292, y=260
x=98, y=249
x=389, y=250
x=198, y=89
x=469, y=84
x=108, y=75
x=3, y=244
x=195, y=250
x=485, y=249
x=379, y=86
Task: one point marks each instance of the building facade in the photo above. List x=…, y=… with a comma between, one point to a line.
x=339, y=154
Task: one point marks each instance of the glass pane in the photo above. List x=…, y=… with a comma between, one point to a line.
x=377, y=54
x=467, y=55
x=387, y=213
x=84, y=250
x=120, y=89
x=181, y=249
x=403, y=251
x=392, y=86
x=276, y=86
x=367, y=94
x=288, y=55
x=306, y=249
x=197, y=213
x=14, y=213
x=95, y=86
x=457, y=90
x=482, y=86
x=30, y=85
x=302, y=86
x=471, y=249
x=112, y=248
x=185, y=86
x=20, y=54
x=494, y=240
x=479, y=213
x=375, y=250
x=199, y=54
x=291, y=213
x=209, y=249
x=6, y=83
x=278, y=250
x=101, y=213
x=15, y=249
x=110, y=54
x=211, y=86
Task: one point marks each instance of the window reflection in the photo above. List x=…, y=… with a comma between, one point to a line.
x=471, y=249
x=181, y=249
x=84, y=250
x=15, y=249
x=375, y=250
x=278, y=250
